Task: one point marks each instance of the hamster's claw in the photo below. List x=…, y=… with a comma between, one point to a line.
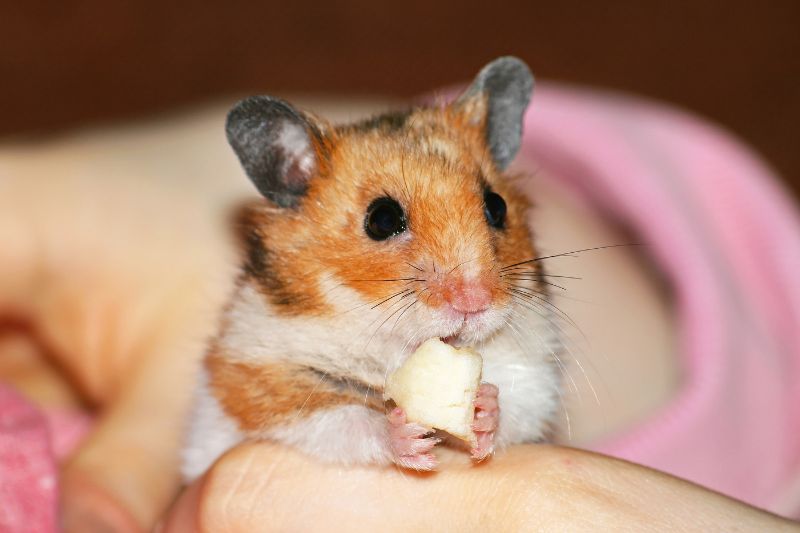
x=487, y=417
x=410, y=447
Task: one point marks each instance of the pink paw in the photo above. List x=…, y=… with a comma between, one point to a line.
x=409, y=445
x=487, y=416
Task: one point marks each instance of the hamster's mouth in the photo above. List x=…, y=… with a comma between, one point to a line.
x=461, y=330
x=455, y=340
x=451, y=340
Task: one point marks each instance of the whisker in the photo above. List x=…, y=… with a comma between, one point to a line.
x=367, y=390
x=310, y=394
x=529, y=293
x=413, y=266
x=563, y=371
x=583, y=371
x=390, y=279
x=461, y=263
x=387, y=319
x=570, y=253
x=555, y=328
x=374, y=320
x=528, y=304
x=558, y=362
x=395, y=295
x=420, y=294
x=410, y=341
x=359, y=306
x=407, y=307
x=525, y=270
x=520, y=278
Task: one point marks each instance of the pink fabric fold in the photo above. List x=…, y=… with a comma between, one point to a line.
x=728, y=238
x=28, y=475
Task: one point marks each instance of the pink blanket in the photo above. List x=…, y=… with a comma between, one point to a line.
x=728, y=239
x=31, y=444
x=723, y=232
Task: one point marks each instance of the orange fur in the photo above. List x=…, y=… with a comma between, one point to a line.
x=262, y=396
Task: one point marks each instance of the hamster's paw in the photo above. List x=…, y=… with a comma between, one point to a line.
x=487, y=416
x=410, y=448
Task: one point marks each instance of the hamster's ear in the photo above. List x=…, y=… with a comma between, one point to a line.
x=276, y=145
x=497, y=99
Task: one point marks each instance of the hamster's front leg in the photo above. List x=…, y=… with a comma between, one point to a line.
x=487, y=420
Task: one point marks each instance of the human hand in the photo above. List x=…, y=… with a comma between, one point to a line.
x=114, y=286
x=266, y=487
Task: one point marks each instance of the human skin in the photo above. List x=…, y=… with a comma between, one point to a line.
x=265, y=487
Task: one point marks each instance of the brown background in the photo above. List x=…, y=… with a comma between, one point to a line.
x=66, y=64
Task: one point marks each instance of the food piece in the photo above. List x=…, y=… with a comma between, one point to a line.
x=436, y=387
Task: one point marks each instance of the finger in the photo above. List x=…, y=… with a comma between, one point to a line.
x=133, y=454
x=89, y=508
x=261, y=483
x=484, y=445
x=24, y=365
x=182, y=517
x=397, y=417
x=488, y=389
x=418, y=446
x=125, y=317
x=486, y=403
x=482, y=424
x=424, y=462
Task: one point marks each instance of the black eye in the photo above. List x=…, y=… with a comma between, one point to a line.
x=384, y=218
x=494, y=207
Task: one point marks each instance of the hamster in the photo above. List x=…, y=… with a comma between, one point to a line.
x=370, y=238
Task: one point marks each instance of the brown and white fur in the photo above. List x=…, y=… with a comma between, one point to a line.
x=322, y=312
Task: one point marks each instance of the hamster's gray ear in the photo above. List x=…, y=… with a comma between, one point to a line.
x=498, y=98
x=276, y=146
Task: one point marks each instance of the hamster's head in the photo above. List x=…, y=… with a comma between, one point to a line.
x=402, y=225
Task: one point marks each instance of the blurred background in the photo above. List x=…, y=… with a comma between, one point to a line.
x=166, y=71
x=84, y=62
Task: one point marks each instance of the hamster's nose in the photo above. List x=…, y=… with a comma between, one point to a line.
x=467, y=295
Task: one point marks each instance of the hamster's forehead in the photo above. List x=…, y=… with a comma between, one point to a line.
x=424, y=153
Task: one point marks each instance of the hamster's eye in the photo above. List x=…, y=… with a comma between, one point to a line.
x=384, y=219
x=494, y=207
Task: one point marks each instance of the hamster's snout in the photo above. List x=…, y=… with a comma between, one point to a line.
x=459, y=294
x=463, y=306
x=466, y=296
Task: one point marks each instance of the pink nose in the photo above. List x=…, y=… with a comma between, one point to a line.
x=467, y=296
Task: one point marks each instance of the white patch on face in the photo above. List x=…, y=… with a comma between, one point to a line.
x=293, y=140
x=211, y=433
x=470, y=269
